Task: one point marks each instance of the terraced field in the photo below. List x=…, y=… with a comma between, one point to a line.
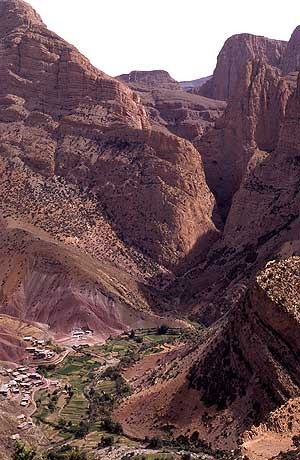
x=76, y=410
x=90, y=385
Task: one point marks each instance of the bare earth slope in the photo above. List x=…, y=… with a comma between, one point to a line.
x=242, y=382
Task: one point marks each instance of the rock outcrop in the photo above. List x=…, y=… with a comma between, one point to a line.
x=81, y=161
x=185, y=114
x=253, y=365
x=247, y=131
x=262, y=224
x=243, y=370
x=291, y=56
x=150, y=79
x=236, y=51
x=193, y=85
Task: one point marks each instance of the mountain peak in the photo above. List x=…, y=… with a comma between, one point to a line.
x=150, y=78
x=15, y=14
x=291, y=57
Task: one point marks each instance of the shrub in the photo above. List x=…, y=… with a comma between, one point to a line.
x=23, y=452
x=108, y=424
x=186, y=456
x=66, y=453
x=163, y=329
x=111, y=373
x=296, y=441
x=82, y=430
x=106, y=441
x=155, y=443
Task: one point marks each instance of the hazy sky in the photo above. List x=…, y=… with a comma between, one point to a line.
x=182, y=37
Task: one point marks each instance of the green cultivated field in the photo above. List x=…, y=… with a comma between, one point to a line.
x=89, y=390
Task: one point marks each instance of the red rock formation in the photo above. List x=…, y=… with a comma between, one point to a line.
x=249, y=127
x=184, y=114
x=236, y=51
x=80, y=160
x=272, y=188
x=150, y=79
x=291, y=56
x=263, y=223
x=243, y=369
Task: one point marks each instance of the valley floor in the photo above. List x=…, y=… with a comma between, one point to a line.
x=81, y=387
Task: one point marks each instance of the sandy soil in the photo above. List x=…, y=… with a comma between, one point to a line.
x=266, y=446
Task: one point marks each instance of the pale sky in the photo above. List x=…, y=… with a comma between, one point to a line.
x=182, y=37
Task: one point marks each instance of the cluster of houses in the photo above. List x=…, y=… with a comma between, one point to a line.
x=24, y=422
x=80, y=333
x=38, y=348
x=20, y=382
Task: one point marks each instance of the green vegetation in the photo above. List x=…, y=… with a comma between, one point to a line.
x=23, y=452
x=66, y=453
x=111, y=426
x=296, y=440
x=106, y=441
x=88, y=391
x=162, y=330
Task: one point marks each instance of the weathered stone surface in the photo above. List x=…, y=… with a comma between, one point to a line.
x=150, y=79
x=249, y=128
x=185, y=114
x=291, y=56
x=236, y=51
x=81, y=161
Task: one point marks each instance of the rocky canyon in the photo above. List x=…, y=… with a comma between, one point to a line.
x=139, y=203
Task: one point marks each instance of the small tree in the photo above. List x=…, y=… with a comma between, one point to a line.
x=186, y=456
x=131, y=334
x=108, y=424
x=155, y=443
x=82, y=430
x=106, y=441
x=66, y=453
x=61, y=423
x=163, y=329
x=23, y=452
x=296, y=440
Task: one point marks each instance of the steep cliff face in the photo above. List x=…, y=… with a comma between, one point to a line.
x=272, y=190
x=54, y=78
x=236, y=51
x=291, y=56
x=253, y=365
x=249, y=128
x=57, y=117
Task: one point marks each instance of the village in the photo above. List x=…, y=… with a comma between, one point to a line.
x=21, y=382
